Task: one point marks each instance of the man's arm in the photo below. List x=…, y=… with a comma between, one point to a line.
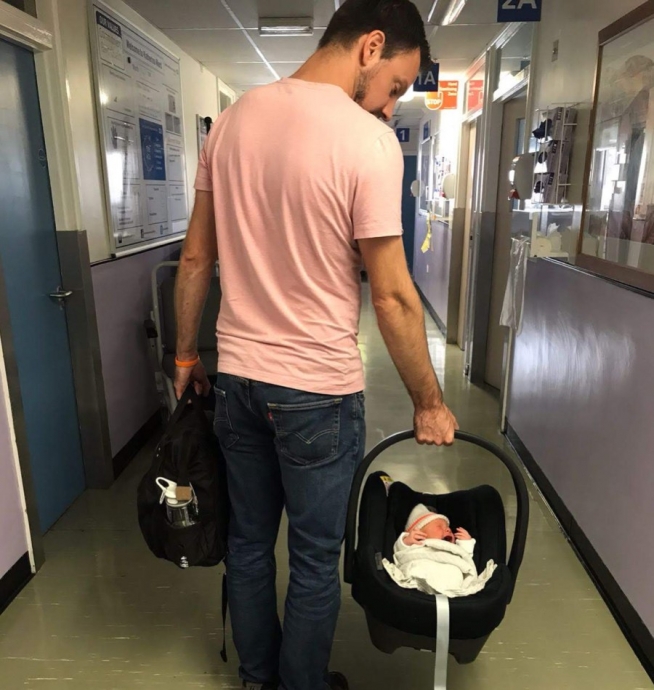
x=196, y=267
x=402, y=325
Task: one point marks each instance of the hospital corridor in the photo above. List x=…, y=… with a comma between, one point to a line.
x=326, y=344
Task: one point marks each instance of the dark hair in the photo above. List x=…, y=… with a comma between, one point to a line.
x=400, y=21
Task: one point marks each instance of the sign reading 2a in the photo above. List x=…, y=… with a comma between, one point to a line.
x=519, y=10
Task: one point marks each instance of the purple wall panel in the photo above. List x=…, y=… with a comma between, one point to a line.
x=582, y=403
x=123, y=300
x=13, y=540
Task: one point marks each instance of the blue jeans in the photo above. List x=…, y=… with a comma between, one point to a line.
x=295, y=450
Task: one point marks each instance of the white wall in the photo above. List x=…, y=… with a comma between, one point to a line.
x=576, y=26
x=409, y=147
x=199, y=97
x=13, y=536
x=571, y=79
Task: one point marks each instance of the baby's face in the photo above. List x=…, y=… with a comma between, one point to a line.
x=438, y=529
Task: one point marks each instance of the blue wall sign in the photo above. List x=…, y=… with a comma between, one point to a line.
x=519, y=10
x=152, y=150
x=426, y=130
x=403, y=134
x=428, y=81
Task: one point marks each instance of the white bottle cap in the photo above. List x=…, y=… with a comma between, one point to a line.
x=168, y=489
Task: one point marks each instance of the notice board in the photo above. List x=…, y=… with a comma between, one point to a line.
x=139, y=108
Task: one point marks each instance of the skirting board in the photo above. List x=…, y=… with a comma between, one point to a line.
x=432, y=312
x=626, y=616
x=13, y=581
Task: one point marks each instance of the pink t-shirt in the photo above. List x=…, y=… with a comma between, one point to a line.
x=298, y=172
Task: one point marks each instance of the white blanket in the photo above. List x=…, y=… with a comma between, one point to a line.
x=438, y=567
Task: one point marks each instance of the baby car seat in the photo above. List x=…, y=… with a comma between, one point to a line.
x=400, y=617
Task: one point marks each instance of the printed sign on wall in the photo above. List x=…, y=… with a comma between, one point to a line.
x=519, y=10
x=475, y=97
x=140, y=110
x=403, y=134
x=427, y=81
x=446, y=98
x=426, y=130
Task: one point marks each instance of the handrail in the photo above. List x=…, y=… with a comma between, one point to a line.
x=522, y=519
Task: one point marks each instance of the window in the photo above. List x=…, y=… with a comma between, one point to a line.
x=515, y=59
x=28, y=6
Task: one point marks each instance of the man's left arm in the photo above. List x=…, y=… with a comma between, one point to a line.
x=196, y=267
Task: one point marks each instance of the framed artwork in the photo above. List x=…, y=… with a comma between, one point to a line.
x=617, y=237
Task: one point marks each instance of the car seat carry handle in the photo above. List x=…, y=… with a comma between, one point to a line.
x=522, y=519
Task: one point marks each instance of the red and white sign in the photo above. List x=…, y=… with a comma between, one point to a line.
x=475, y=94
x=446, y=98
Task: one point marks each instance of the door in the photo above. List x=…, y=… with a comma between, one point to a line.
x=513, y=134
x=30, y=266
x=409, y=208
x=467, y=232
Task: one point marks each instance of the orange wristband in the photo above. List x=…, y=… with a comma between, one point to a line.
x=187, y=365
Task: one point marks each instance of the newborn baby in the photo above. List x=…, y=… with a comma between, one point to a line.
x=423, y=524
x=430, y=557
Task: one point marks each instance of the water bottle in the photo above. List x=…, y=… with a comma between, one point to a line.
x=180, y=513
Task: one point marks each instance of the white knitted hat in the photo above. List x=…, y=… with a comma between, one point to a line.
x=421, y=516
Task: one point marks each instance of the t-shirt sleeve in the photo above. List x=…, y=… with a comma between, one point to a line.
x=377, y=207
x=203, y=176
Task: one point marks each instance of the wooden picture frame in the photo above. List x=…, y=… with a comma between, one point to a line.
x=623, y=218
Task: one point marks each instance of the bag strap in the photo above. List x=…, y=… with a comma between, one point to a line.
x=182, y=452
x=189, y=396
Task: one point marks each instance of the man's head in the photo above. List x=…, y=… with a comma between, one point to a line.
x=387, y=37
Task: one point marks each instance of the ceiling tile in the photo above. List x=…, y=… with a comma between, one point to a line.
x=215, y=46
x=323, y=12
x=278, y=48
x=462, y=42
x=195, y=14
x=234, y=73
x=478, y=12
x=285, y=8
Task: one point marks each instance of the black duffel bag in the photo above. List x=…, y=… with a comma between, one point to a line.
x=189, y=455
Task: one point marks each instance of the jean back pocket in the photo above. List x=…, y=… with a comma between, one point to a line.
x=308, y=433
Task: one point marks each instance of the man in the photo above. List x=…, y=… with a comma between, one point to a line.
x=299, y=181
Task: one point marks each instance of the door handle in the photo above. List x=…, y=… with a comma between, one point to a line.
x=61, y=295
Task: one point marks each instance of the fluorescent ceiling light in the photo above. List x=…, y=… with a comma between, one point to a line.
x=432, y=10
x=286, y=26
x=454, y=10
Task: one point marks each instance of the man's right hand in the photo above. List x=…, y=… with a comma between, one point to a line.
x=435, y=426
x=196, y=375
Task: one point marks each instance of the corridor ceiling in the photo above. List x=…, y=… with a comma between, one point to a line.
x=223, y=35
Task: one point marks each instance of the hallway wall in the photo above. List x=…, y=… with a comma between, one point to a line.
x=571, y=78
x=199, y=96
x=123, y=302
x=580, y=391
x=121, y=287
x=581, y=402
x=433, y=269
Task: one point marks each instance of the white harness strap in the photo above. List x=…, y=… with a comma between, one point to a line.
x=442, y=641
